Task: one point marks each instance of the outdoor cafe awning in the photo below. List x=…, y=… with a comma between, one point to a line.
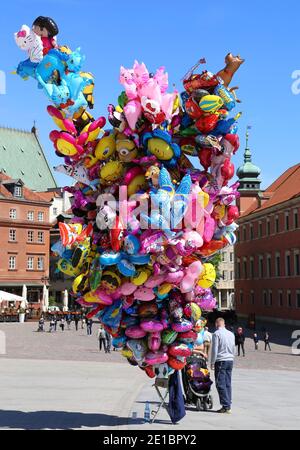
x=7, y=297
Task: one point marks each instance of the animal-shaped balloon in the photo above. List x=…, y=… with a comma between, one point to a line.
x=27, y=40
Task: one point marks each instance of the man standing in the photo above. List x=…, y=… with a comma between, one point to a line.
x=256, y=340
x=76, y=320
x=222, y=357
x=267, y=341
x=89, y=324
x=240, y=341
x=108, y=341
x=101, y=335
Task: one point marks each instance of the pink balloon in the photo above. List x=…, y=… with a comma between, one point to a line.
x=133, y=111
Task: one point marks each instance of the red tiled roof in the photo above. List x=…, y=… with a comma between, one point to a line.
x=28, y=194
x=48, y=196
x=286, y=187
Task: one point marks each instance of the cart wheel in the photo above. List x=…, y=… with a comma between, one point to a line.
x=199, y=404
x=204, y=404
x=210, y=402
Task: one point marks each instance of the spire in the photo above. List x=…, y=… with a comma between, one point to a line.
x=248, y=173
x=34, y=128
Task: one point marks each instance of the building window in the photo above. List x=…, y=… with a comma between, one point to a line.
x=12, y=213
x=224, y=275
x=277, y=228
x=245, y=268
x=12, y=263
x=231, y=275
x=40, y=237
x=40, y=216
x=296, y=219
x=30, y=215
x=244, y=233
x=261, y=266
x=270, y=298
x=260, y=229
x=278, y=268
x=40, y=263
x=55, y=211
x=224, y=257
x=298, y=299
x=289, y=299
x=252, y=298
x=251, y=232
x=18, y=191
x=297, y=263
x=280, y=298
x=238, y=269
x=268, y=227
x=287, y=221
x=30, y=236
x=231, y=257
x=265, y=298
x=269, y=266
x=241, y=297
x=12, y=235
x=30, y=263
x=288, y=271
x=252, y=267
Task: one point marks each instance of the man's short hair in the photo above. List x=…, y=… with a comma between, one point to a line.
x=220, y=321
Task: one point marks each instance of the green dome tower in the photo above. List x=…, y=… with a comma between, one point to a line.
x=248, y=174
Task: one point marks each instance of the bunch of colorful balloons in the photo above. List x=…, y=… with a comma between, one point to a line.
x=146, y=223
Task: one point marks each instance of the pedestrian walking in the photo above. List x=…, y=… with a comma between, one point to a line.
x=222, y=358
x=41, y=324
x=101, y=335
x=108, y=341
x=267, y=341
x=62, y=324
x=255, y=340
x=89, y=324
x=52, y=324
x=55, y=323
x=76, y=321
x=207, y=338
x=69, y=321
x=240, y=341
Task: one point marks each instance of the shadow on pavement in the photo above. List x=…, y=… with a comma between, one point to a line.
x=62, y=420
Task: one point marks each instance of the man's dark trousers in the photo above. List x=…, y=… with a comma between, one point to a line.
x=223, y=374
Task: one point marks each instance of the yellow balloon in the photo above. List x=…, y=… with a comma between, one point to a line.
x=127, y=353
x=208, y=276
x=141, y=277
x=111, y=172
x=66, y=148
x=165, y=289
x=105, y=148
x=137, y=184
x=196, y=312
x=160, y=148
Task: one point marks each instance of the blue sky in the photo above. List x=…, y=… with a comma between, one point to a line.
x=174, y=34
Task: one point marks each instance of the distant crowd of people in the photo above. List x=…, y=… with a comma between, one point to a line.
x=65, y=322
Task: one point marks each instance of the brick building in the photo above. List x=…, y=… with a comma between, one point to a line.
x=25, y=239
x=267, y=255
x=225, y=285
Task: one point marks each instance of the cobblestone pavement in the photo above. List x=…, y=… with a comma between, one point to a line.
x=22, y=341
x=62, y=381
